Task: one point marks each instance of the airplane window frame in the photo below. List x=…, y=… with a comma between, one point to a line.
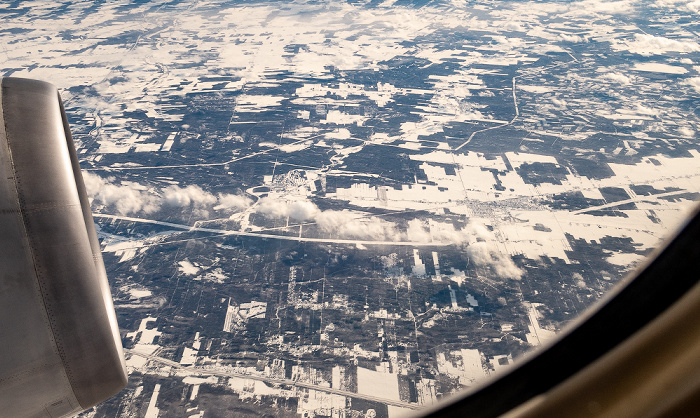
x=663, y=279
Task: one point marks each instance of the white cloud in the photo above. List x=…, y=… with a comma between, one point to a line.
x=348, y=225
x=617, y=77
x=271, y=207
x=479, y=242
x=478, y=232
x=644, y=110
x=417, y=231
x=185, y=196
x=686, y=132
x=487, y=255
x=232, y=201
x=187, y=268
x=482, y=251
x=513, y=26
x=370, y=228
x=588, y=7
x=648, y=45
x=693, y=6
x=132, y=198
x=578, y=278
x=438, y=232
x=343, y=224
x=128, y=198
x=567, y=37
x=694, y=82
x=332, y=220
x=299, y=210
x=125, y=198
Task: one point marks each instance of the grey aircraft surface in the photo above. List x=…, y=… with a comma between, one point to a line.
x=60, y=350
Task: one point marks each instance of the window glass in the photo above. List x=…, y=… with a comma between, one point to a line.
x=356, y=208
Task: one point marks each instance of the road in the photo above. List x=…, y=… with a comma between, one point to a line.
x=272, y=236
x=649, y=198
x=517, y=114
x=232, y=160
x=276, y=381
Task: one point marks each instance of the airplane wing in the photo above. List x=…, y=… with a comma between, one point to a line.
x=60, y=349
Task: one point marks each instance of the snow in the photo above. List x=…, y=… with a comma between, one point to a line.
x=139, y=293
x=658, y=67
x=381, y=384
x=187, y=268
x=152, y=411
x=147, y=336
x=537, y=335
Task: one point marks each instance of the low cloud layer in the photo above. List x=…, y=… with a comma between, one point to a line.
x=298, y=210
x=487, y=255
x=125, y=198
x=233, y=202
x=182, y=197
x=647, y=45
x=694, y=82
x=129, y=198
x=479, y=243
x=692, y=5
x=618, y=78
x=340, y=223
x=348, y=225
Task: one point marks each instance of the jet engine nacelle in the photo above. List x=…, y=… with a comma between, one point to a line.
x=60, y=349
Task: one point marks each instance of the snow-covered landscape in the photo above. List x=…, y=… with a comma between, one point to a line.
x=327, y=208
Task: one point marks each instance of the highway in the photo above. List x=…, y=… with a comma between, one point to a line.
x=272, y=236
x=276, y=381
x=638, y=198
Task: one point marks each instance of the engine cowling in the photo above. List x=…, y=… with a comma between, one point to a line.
x=60, y=349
